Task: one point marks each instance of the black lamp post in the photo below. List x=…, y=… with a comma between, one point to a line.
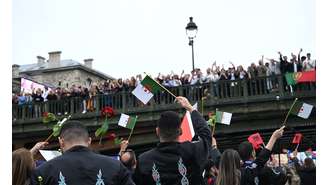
x=191, y=31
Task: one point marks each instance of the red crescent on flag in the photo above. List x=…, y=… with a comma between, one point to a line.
x=147, y=87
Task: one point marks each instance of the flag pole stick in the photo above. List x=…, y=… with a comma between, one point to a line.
x=132, y=131
x=130, y=134
x=284, y=123
x=202, y=106
x=162, y=87
x=48, y=138
x=297, y=146
x=213, y=129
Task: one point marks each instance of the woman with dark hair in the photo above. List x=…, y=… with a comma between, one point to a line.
x=23, y=164
x=307, y=171
x=229, y=168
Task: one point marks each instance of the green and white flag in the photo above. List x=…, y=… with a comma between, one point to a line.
x=127, y=121
x=302, y=110
x=146, y=89
x=223, y=117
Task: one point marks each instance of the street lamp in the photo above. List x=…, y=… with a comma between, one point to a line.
x=191, y=31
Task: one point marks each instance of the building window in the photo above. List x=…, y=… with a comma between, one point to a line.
x=59, y=83
x=89, y=81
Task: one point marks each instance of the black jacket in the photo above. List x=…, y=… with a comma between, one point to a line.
x=80, y=166
x=251, y=170
x=176, y=163
x=307, y=175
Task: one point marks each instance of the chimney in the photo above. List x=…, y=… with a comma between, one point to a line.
x=15, y=71
x=41, y=60
x=88, y=62
x=54, y=58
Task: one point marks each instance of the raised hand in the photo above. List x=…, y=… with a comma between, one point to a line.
x=184, y=103
x=124, y=144
x=278, y=133
x=38, y=146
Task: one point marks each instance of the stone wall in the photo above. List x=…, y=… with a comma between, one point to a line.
x=67, y=78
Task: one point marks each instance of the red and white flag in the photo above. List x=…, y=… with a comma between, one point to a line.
x=187, y=128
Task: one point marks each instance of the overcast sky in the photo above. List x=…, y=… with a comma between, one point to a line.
x=128, y=37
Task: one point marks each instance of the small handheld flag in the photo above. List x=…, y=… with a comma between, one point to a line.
x=187, y=128
x=146, y=89
x=256, y=140
x=302, y=110
x=127, y=121
x=223, y=117
x=297, y=138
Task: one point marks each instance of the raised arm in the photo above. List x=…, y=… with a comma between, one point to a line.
x=299, y=55
x=264, y=155
x=280, y=56
x=276, y=135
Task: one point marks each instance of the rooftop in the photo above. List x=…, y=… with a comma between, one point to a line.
x=63, y=64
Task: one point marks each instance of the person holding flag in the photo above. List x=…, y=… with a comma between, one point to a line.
x=172, y=162
x=252, y=166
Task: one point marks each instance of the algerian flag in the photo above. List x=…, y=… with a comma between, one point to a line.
x=127, y=121
x=146, y=89
x=302, y=110
x=223, y=117
x=142, y=93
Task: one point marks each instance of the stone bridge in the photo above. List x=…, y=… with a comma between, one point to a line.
x=254, y=105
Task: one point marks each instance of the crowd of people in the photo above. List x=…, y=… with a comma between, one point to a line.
x=266, y=68
x=170, y=162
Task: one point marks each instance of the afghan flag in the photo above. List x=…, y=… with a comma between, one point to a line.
x=127, y=121
x=223, y=117
x=302, y=110
x=294, y=78
x=146, y=89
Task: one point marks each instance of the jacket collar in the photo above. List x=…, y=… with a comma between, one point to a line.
x=164, y=144
x=78, y=148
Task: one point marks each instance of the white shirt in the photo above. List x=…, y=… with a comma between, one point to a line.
x=295, y=67
x=309, y=65
x=209, y=78
x=194, y=80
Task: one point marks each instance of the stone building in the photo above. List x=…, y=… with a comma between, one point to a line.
x=59, y=73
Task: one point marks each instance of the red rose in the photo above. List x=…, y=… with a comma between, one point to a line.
x=107, y=111
x=45, y=114
x=111, y=136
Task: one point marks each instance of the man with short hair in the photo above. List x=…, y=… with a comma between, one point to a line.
x=78, y=164
x=172, y=162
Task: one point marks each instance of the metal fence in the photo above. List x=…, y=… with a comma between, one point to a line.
x=221, y=90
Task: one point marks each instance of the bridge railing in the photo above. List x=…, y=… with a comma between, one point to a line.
x=228, y=90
